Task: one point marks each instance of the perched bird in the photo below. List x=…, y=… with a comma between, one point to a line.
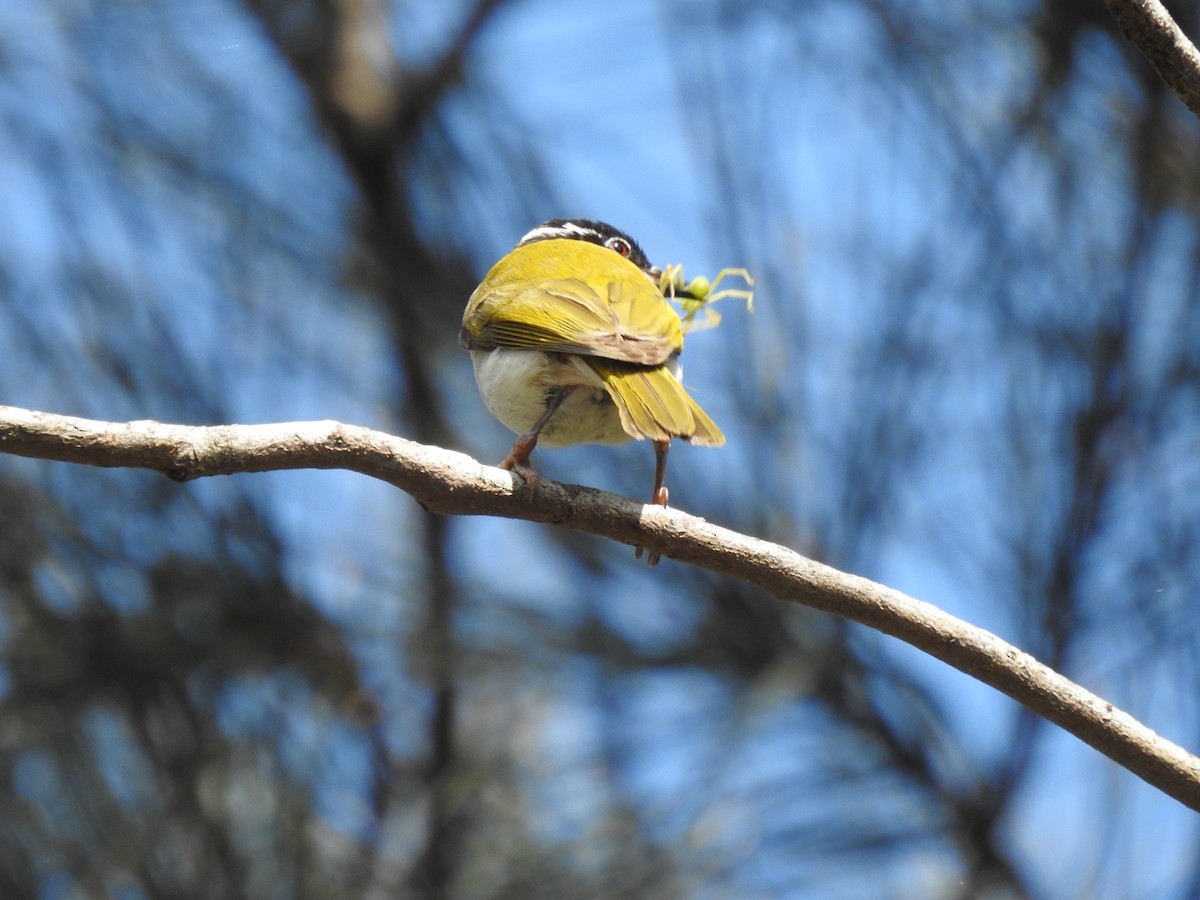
x=573, y=342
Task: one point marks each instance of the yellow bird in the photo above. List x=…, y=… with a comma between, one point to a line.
x=573, y=342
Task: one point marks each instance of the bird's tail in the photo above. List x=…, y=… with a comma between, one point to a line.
x=653, y=404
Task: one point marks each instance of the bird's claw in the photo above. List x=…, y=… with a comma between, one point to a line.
x=660, y=499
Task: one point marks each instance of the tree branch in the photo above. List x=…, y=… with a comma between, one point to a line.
x=451, y=483
x=1150, y=28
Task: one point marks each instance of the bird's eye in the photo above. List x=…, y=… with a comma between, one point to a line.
x=620, y=245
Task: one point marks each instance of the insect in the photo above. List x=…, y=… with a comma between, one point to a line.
x=695, y=297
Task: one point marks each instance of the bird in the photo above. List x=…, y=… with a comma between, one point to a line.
x=572, y=341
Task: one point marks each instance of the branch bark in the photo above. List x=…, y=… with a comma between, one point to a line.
x=451, y=483
x=1150, y=28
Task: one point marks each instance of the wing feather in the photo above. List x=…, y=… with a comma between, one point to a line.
x=532, y=300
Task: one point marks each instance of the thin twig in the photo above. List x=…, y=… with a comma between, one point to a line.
x=1150, y=28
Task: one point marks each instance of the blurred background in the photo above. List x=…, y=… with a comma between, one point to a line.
x=972, y=374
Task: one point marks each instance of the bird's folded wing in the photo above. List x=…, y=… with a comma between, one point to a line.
x=569, y=316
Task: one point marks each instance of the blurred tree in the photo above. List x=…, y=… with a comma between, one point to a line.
x=972, y=374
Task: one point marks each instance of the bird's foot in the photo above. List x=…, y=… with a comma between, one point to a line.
x=527, y=474
x=659, y=499
x=518, y=461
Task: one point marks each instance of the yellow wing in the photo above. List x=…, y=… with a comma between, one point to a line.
x=576, y=297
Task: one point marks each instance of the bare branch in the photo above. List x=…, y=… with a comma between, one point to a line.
x=451, y=483
x=1148, y=25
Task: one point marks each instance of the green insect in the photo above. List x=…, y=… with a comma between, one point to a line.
x=695, y=297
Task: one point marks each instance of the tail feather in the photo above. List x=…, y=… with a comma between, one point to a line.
x=653, y=404
x=705, y=433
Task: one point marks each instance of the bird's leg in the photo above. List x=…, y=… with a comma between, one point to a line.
x=518, y=457
x=660, y=472
x=660, y=491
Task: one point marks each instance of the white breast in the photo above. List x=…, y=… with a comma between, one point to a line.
x=514, y=385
